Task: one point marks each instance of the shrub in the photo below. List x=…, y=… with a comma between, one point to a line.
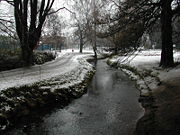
x=12, y=59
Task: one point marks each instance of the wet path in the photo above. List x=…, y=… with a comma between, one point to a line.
x=109, y=108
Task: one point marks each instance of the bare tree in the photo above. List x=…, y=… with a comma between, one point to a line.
x=53, y=29
x=30, y=16
x=97, y=6
x=86, y=16
x=80, y=13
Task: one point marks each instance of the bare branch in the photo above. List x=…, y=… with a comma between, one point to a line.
x=61, y=9
x=4, y=20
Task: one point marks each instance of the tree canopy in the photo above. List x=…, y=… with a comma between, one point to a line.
x=147, y=13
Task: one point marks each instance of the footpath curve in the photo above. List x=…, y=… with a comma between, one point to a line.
x=29, y=75
x=27, y=90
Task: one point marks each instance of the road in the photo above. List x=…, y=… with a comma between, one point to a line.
x=29, y=75
x=110, y=107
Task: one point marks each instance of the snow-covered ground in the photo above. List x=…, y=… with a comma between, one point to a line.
x=67, y=75
x=67, y=62
x=143, y=66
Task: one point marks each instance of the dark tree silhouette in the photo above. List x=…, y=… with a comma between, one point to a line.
x=164, y=10
x=148, y=12
x=30, y=16
x=166, y=34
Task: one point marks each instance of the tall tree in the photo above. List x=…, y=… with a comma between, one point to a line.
x=81, y=15
x=86, y=16
x=53, y=30
x=97, y=9
x=166, y=33
x=148, y=12
x=30, y=16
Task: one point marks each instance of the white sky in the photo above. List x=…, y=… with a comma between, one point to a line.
x=59, y=4
x=6, y=9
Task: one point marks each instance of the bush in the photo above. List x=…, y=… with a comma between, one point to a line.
x=12, y=59
x=42, y=57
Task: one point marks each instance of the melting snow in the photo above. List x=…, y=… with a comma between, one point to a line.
x=147, y=62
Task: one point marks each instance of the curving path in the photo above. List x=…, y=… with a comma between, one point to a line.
x=29, y=75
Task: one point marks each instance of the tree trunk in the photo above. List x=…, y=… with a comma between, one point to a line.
x=27, y=48
x=116, y=49
x=95, y=52
x=166, y=35
x=94, y=42
x=29, y=29
x=81, y=45
x=27, y=55
x=81, y=48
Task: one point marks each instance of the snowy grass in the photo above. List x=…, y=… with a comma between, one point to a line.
x=144, y=68
x=64, y=63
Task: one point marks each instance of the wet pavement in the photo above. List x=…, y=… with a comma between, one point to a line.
x=110, y=107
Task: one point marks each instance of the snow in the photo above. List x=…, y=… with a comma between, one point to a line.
x=67, y=64
x=68, y=70
x=144, y=68
x=75, y=76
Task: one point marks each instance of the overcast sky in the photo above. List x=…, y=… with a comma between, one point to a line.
x=6, y=9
